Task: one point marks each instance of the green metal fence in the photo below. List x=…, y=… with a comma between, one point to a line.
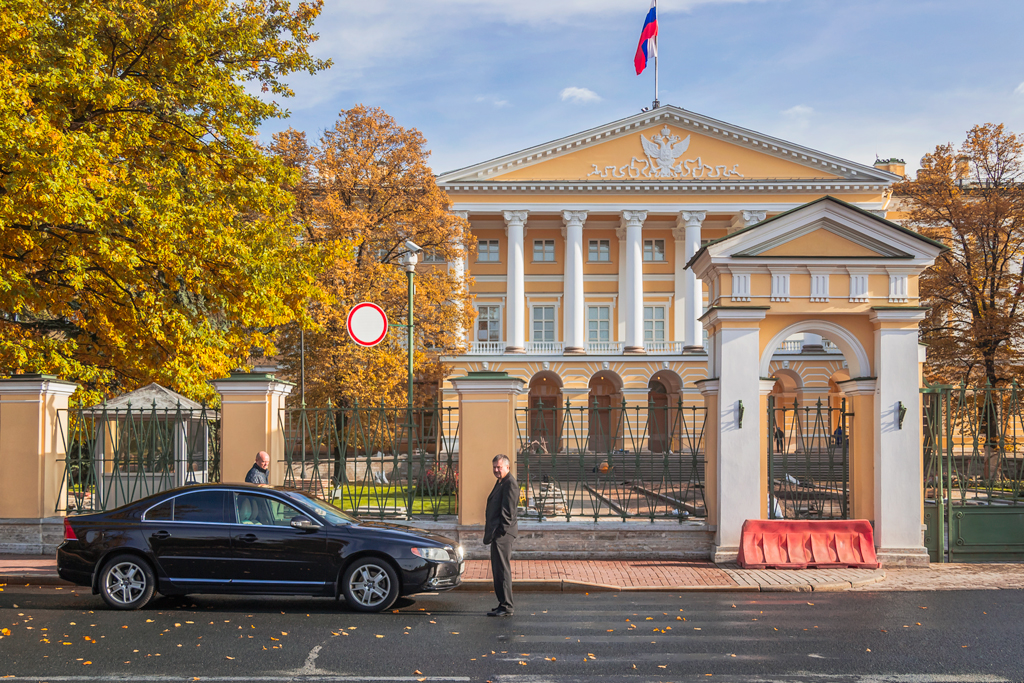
x=375, y=462
x=601, y=461
x=808, y=461
x=117, y=456
x=973, y=440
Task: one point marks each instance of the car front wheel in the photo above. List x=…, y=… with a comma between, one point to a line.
x=126, y=582
x=370, y=585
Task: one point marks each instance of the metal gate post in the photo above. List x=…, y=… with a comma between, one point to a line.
x=771, y=457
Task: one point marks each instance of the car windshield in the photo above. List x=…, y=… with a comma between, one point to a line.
x=322, y=508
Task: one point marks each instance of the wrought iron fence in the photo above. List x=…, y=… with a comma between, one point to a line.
x=808, y=461
x=973, y=441
x=117, y=456
x=600, y=461
x=375, y=462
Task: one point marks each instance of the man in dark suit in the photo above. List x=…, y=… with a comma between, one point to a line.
x=500, y=530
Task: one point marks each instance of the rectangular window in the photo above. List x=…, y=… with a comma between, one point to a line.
x=488, y=323
x=487, y=251
x=654, y=250
x=432, y=256
x=598, y=324
x=544, y=250
x=600, y=250
x=654, y=323
x=543, y=324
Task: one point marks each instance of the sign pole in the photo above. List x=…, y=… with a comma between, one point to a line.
x=411, y=272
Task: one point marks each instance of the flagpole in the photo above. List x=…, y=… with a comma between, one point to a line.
x=656, y=102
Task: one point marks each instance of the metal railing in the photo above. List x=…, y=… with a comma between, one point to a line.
x=117, y=456
x=603, y=461
x=375, y=462
x=808, y=461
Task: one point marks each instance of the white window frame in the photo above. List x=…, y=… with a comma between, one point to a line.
x=501, y=321
x=653, y=243
x=591, y=251
x=554, y=320
x=663, y=319
x=544, y=244
x=433, y=256
x=608, y=308
x=481, y=252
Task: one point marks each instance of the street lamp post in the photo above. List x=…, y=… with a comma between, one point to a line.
x=409, y=260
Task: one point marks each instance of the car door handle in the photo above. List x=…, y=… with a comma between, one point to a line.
x=161, y=535
x=248, y=538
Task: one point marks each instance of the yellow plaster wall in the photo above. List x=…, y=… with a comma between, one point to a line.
x=487, y=428
x=620, y=150
x=820, y=243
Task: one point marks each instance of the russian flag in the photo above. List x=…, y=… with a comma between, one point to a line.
x=648, y=46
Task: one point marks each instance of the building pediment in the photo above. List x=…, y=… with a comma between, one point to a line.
x=824, y=230
x=668, y=144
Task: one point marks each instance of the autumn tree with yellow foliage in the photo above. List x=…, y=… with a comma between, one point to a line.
x=144, y=234
x=971, y=199
x=365, y=188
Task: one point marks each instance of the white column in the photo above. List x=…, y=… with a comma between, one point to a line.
x=633, y=296
x=679, y=284
x=746, y=218
x=740, y=494
x=515, y=301
x=457, y=266
x=573, y=320
x=693, y=289
x=898, y=474
x=812, y=343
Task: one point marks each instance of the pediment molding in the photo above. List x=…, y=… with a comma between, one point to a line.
x=687, y=121
x=829, y=224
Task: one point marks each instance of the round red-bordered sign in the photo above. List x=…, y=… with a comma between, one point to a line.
x=367, y=324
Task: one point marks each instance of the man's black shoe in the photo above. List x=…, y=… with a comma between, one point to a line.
x=500, y=612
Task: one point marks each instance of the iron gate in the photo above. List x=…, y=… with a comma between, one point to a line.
x=611, y=461
x=973, y=440
x=808, y=461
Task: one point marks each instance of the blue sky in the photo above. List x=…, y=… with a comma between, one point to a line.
x=855, y=78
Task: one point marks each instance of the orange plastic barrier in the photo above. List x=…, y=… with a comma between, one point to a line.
x=799, y=544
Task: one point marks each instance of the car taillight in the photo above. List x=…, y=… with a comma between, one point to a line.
x=69, y=533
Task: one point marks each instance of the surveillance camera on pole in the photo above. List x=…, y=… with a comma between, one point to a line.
x=411, y=256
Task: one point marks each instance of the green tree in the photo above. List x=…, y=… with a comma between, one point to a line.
x=144, y=233
x=972, y=200
x=366, y=188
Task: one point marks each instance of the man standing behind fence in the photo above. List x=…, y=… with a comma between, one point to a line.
x=258, y=472
x=500, y=530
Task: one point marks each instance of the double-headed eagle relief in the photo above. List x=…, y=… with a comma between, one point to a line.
x=662, y=152
x=664, y=160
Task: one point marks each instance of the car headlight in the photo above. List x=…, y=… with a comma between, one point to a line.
x=461, y=552
x=435, y=554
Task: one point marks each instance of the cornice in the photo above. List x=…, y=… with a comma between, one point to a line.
x=770, y=185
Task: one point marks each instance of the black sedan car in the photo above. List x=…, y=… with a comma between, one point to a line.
x=242, y=539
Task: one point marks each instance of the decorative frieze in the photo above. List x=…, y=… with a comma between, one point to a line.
x=819, y=286
x=780, y=286
x=741, y=286
x=858, y=287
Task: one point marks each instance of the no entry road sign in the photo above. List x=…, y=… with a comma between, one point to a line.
x=367, y=324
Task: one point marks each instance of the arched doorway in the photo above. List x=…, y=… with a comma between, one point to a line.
x=545, y=414
x=662, y=396
x=605, y=412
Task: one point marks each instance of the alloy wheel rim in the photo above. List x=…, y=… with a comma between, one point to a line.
x=370, y=584
x=126, y=582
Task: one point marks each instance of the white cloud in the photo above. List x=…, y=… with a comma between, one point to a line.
x=1019, y=90
x=579, y=95
x=800, y=114
x=492, y=100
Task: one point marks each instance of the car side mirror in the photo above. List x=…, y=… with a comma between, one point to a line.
x=303, y=524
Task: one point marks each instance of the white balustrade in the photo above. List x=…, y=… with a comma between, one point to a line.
x=663, y=347
x=543, y=348
x=606, y=347
x=486, y=348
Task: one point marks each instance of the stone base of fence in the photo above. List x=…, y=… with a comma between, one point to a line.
x=604, y=540
x=908, y=558
x=31, y=536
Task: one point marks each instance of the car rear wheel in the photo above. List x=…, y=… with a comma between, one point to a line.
x=370, y=584
x=126, y=582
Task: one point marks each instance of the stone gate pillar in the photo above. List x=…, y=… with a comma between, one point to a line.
x=487, y=427
x=250, y=422
x=898, y=495
x=860, y=394
x=735, y=361
x=33, y=426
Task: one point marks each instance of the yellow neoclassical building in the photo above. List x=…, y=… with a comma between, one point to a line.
x=580, y=281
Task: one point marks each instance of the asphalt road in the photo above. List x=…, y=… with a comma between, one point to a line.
x=53, y=635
